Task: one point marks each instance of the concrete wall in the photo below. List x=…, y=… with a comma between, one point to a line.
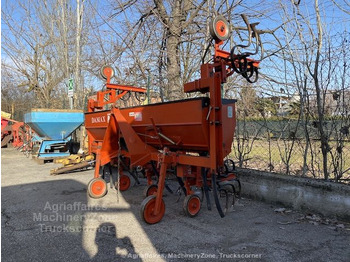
x=325, y=198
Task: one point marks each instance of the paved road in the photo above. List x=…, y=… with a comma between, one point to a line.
x=50, y=218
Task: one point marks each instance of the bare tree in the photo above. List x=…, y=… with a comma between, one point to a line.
x=14, y=99
x=38, y=43
x=179, y=36
x=78, y=47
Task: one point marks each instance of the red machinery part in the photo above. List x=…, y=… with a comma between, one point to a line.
x=96, y=125
x=4, y=123
x=6, y=136
x=18, y=133
x=192, y=136
x=150, y=190
x=149, y=212
x=97, y=188
x=107, y=72
x=113, y=92
x=192, y=205
x=178, y=129
x=219, y=28
x=126, y=181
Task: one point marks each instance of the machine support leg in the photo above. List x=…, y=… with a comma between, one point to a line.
x=161, y=183
x=188, y=188
x=160, y=190
x=97, y=165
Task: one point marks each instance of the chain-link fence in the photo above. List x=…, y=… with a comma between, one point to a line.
x=293, y=147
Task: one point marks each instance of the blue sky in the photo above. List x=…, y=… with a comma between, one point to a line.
x=335, y=20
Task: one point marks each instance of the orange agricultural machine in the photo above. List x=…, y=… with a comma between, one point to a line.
x=18, y=134
x=12, y=131
x=96, y=120
x=6, y=131
x=191, y=137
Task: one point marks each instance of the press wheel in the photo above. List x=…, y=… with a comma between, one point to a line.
x=150, y=190
x=125, y=181
x=147, y=210
x=192, y=205
x=97, y=188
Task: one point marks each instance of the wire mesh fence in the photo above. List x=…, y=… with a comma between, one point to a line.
x=293, y=147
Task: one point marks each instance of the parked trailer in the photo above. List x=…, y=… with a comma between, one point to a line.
x=193, y=137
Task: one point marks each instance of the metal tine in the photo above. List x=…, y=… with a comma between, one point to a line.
x=245, y=19
x=252, y=33
x=257, y=37
x=258, y=40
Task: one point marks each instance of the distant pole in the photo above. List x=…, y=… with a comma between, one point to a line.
x=13, y=110
x=70, y=92
x=148, y=86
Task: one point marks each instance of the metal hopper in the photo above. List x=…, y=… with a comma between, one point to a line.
x=54, y=126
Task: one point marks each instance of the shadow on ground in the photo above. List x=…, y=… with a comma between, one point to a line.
x=47, y=218
x=38, y=226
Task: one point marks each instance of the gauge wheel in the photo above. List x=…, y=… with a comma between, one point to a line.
x=97, y=188
x=192, y=205
x=126, y=181
x=150, y=190
x=147, y=210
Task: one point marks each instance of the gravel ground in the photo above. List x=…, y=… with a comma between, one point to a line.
x=50, y=218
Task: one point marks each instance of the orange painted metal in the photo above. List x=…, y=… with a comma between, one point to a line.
x=96, y=124
x=204, y=126
x=193, y=136
x=98, y=166
x=18, y=134
x=112, y=94
x=98, y=187
x=124, y=182
x=168, y=125
x=96, y=120
x=6, y=131
x=163, y=161
x=221, y=28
